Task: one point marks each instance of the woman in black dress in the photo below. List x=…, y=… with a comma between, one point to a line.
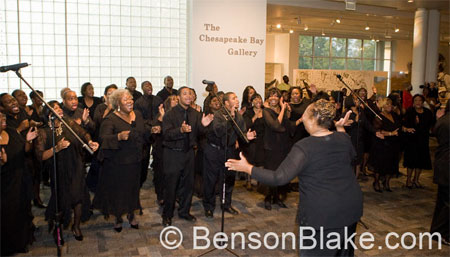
x=254, y=120
x=385, y=151
x=276, y=140
x=122, y=135
x=298, y=106
x=249, y=91
x=17, y=226
x=330, y=197
x=100, y=114
x=72, y=190
x=417, y=123
x=87, y=99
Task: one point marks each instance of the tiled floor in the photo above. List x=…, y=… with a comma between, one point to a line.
x=401, y=211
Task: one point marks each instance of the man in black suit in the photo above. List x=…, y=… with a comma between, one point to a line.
x=148, y=105
x=221, y=137
x=181, y=126
x=168, y=89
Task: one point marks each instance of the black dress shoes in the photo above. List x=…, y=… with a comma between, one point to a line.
x=280, y=203
x=188, y=217
x=231, y=210
x=209, y=214
x=267, y=205
x=166, y=221
x=78, y=237
x=39, y=204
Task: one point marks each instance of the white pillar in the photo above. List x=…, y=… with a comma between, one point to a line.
x=419, y=50
x=432, y=46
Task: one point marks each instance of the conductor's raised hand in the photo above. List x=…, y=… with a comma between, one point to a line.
x=207, y=119
x=239, y=165
x=185, y=128
x=123, y=136
x=343, y=122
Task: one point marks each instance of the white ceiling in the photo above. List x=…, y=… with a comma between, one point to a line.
x=382, y=16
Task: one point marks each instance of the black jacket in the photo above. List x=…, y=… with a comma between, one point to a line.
x=171, y=128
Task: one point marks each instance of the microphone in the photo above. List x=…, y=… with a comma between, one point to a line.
x=338, y=76
x=14, y=67
x=209, y=82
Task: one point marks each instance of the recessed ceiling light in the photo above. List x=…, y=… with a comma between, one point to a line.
x=291, y=31
x=278, y=26
x=410, y=1
x=338, y=21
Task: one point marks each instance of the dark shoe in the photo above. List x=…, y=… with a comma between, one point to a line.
x=231, y=210
x=118, y=228
x=78, y=237
x=38, y=203
x=166, y=222
x=268, y=205
x=209, y=214
x=131, y=218
x=188, y=217
x=281, y=204
x=377, y=188
x=161, y=203
x=417, y=185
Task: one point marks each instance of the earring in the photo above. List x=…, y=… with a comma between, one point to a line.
x=118, y=108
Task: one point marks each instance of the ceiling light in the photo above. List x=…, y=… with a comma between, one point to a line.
x=367, y=26
x=278, y=26
x=323, y=33
x=305, y=28
x=410, y=1
x=291, y=31
x=338, y=20
x=377, y=40
x=396, y=29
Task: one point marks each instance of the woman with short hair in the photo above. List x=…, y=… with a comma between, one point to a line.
x=122, y=135
x=330, y=196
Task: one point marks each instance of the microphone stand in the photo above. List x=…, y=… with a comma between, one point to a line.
x=352, y=92
x=222, y=107
x=58, y=230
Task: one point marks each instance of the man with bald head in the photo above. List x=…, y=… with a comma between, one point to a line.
x=168, y=89
x=72, y=111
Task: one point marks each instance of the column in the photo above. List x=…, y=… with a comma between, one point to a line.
x=419, y=50
x=432, y=46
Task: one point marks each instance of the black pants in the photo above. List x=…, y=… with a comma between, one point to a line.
x=213, y=171
x=178, y=168
x=158, y=170
x=350, y=251
x=440, y=222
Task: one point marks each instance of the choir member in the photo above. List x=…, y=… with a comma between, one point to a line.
x=72, y=192
x=122, y=135
x=181, y=126
x=221, y=145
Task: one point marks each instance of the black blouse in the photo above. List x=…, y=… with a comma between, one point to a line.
x=330, y=194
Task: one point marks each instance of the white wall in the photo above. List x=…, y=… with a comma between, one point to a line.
x=217, y=61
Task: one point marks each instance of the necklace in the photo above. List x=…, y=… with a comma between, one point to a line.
x=58, y=130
